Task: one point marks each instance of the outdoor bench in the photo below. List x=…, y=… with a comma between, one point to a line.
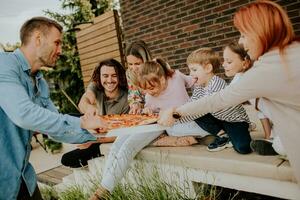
x=268, y=175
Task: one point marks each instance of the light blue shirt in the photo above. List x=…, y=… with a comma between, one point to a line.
x=25, y=108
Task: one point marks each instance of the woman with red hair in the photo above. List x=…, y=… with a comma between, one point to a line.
x=268, y=36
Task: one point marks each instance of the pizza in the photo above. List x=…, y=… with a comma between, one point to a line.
x=128, y=120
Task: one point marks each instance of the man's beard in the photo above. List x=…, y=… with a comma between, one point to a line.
x=114, y=89
x=47, y=64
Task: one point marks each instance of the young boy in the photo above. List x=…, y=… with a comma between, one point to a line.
x=203, y=64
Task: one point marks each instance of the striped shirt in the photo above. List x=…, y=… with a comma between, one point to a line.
x=231, y=114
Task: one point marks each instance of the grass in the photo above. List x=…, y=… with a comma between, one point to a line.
x=142, y=184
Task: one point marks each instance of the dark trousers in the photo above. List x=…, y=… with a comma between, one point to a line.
x=79, y=157
x=24, y=194
x=238, y=132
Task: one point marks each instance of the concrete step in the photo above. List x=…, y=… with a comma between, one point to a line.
x=67, y=181
x=70, y=179
x=84, y=179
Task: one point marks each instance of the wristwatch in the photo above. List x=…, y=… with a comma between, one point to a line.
x=176, y=115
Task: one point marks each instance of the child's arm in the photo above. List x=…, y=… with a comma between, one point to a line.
x=87, y=103
x=197, y=94
x=189, y=80
x=267, y=127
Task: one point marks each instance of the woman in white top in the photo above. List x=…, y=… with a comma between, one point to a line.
x=268, y=36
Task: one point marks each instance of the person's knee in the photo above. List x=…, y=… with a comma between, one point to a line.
x=70, y=160
x=65, y=160
x=242, y=148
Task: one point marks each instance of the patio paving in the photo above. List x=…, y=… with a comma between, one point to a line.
x=47, y=165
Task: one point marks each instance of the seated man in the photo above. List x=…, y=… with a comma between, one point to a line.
x=106, y=94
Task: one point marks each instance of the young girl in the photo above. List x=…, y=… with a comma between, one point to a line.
x=164, y=88
x=236, y=62
x=136, y=54
x=160, y=83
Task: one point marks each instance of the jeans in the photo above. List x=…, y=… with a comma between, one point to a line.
x=24, y=194
x=237, y=132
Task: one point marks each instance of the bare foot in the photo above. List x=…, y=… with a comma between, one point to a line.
x=100, y=193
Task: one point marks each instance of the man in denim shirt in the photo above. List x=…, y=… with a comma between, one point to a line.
x=25, y=106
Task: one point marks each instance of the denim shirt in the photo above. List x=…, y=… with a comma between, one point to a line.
x=26, y=107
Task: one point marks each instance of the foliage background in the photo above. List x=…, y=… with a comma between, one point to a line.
x=67, y=74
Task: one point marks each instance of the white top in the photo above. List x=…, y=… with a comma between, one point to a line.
x=236, y=78
x=262, y=113
x=278, y=86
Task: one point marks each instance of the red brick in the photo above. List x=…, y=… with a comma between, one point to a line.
x=173, y=29
x=191, y=28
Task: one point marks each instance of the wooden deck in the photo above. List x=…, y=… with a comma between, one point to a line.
x=54, y=176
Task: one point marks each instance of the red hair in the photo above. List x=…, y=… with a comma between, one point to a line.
x=267, y=22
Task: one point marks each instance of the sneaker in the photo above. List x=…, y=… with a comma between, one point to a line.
x=206, y=140
x=263, y=147
x=219, y=144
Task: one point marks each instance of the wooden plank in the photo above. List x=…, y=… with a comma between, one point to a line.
x=55, y=175
x=97, y=52
x=63, y=170
x=109, y=24
x=97, y=31
x=88, y=67
x=103, y=16
x=99, y=45
x=87, y=73
x=92, y=66
x=100, y=57
x=44, y=178
x=87, y=78
x=96, y=20
x=84, y=26
x=97, y=39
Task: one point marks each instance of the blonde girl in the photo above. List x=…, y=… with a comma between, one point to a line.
x=163, y=86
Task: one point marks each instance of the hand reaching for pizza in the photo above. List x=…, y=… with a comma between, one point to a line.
x=91, y=110
x=166, y=117
x=93, y=123
x=100, y=140
x=85, y=145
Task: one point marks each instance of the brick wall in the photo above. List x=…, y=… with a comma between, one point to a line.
x=174, y=28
